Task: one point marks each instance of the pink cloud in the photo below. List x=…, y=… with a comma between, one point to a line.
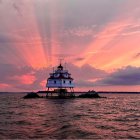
x=25, y=79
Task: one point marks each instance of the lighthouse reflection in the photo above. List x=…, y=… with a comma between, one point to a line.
x=59, y=117
x=67, y=116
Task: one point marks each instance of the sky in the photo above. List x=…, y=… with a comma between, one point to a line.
x=98, y=39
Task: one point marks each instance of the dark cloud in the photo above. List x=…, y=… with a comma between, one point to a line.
x=125, y=76
x=3, y=39
x=6, y=38
x=137, y=55
x=81, y=31
x=63, y=55
x=10, y=38
x=7, y=71
x=17, y=7
x=79, y=59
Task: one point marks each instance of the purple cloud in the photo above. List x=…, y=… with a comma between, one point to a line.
x=125, y=76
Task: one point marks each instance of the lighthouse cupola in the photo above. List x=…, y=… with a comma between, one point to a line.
x=60, y=67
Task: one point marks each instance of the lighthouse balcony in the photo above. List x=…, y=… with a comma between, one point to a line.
x=59, y=85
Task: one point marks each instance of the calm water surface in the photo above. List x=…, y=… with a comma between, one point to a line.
x=117, y=117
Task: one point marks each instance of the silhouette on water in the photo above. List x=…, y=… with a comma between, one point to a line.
x=64, y=95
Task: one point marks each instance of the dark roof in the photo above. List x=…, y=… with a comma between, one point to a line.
x=60, y=77
x=60, y=67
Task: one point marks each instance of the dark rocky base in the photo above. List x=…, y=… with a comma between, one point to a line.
x=31, y=95
x=91, y=94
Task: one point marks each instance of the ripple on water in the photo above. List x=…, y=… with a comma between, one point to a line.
x=116, y=117
x=71, y=132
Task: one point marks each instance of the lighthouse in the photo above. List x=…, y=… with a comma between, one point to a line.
x=61, y=82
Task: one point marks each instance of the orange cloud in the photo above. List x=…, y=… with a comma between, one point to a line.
x=111, y=49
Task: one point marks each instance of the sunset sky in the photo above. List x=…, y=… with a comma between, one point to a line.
x=98, y=39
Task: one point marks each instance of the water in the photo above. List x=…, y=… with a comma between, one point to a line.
x=117, y=117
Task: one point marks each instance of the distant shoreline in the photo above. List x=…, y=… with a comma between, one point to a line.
x=106, y=92
x=100, y=92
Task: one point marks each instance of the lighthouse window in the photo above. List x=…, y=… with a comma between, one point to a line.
x=55, y=82
x=70, y=82
x=64, y=82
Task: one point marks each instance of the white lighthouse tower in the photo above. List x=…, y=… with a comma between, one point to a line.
x=60, y=80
